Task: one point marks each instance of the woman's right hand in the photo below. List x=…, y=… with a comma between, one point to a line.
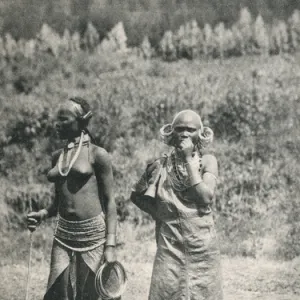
x=35, y=218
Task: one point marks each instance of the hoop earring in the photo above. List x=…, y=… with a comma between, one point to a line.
x=205, y=137
x=166, y=133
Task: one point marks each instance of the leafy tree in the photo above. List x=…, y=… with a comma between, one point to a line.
x=294, y=26
x=209, y=41
x=118, y=35
x=220, y=36
x=66, y=41
x=261, y=36
x=244, y=25
x=167, y=47
x=189, y=40
x=91, y=37
x=10, y=45
x=146, y=48
x=49, y=40
x=280, y=37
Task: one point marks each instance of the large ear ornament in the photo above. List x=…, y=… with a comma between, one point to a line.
x=166, y=133
x=206, y=137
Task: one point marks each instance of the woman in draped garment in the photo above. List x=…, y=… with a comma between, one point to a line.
x=85, y=235
x=177, y=191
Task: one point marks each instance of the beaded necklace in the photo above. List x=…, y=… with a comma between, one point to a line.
x=64, y=157
x=177, y=171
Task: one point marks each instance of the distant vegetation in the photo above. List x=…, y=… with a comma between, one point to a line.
x=248, y=35
x=252, y=103
x=140, y=17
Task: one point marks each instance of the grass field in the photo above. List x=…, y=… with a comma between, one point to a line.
x=244, y=278
x=257, y=212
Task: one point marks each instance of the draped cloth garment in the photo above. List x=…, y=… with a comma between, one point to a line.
x=73, y=239
x=187, y=261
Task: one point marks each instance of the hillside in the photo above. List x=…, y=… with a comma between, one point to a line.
x=251, y=103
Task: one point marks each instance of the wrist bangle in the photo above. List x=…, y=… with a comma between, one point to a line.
x=110, y=240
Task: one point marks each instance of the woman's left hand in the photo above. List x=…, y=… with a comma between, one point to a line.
x=187, y=148
x=110, y=254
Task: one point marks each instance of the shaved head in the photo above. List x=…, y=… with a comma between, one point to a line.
x=187, y=118
x=186, y=124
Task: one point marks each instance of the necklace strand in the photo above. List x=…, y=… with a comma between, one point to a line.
x=61, y=157
x=179, y=181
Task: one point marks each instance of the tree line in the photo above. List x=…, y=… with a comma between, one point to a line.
x=24, y=18
x=247, y=36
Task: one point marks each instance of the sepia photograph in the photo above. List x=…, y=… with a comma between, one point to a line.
x=149, y=149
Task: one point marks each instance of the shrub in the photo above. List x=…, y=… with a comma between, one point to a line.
x=28, y=73
x=31, y=120
x=95, y=64
x=23, y=199
x=150, y=118
x=248, y=113
x=255, y=117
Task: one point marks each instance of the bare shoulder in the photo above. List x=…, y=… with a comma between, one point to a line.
x=100, y=156
x=208, y=159
x=210, y=164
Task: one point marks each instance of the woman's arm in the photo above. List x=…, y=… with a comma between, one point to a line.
x=149, y=179
x=104, y=175
x=35, y=218
x=146, y=204
x=203, y=189
x=52, y=209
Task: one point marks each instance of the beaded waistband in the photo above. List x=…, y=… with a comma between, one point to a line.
x=81, y=235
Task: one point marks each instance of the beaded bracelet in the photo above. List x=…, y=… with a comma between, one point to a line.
x=194, y=179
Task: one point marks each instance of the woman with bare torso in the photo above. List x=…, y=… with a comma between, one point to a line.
x=85, y=234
